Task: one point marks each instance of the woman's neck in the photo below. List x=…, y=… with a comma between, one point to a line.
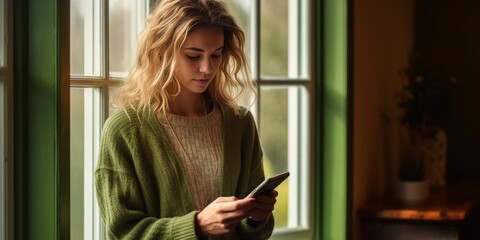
x=193, y=105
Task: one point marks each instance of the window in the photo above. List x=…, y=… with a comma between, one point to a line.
x=278, y=50
x=96, y=28
x=278, y=53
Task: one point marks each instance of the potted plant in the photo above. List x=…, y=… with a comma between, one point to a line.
x=425, y=96
x=412, y=188
x=424, y=100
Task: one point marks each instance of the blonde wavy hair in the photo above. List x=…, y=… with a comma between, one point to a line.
x=166, y=29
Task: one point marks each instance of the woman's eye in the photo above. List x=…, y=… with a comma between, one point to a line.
x=216, y=56
x=193, y=57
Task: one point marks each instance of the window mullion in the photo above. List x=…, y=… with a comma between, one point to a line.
x=102, y=113
x=293, y=39
x=255, y=45
x=294, y=159
x=255, y=54
x=304, y=28
x=303, y=127
x=106, y=62
x=92, y=120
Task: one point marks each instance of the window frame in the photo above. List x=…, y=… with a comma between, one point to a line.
x=6, y=70
x=334, y=119
x=301, y=75
x=321, y=78
x=46, y=73
x=38, y=73
x=100, y=81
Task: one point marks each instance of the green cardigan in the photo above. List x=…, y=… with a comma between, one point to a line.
x=141, y=186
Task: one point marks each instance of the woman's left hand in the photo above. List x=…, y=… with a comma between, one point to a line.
x=264, y=205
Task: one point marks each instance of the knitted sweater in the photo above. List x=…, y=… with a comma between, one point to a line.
x=197, y=141
x=141, y=186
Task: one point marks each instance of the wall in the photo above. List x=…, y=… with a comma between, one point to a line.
x=448, y=35
x=383, y=34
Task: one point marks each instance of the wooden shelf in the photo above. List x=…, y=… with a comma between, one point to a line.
x=449, y=203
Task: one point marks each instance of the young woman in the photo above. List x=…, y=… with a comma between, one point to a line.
x=180, y=159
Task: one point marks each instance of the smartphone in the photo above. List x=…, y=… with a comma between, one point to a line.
x=269, y=184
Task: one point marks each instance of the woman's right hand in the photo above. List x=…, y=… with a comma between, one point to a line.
x=223, y=215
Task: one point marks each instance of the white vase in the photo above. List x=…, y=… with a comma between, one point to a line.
x=435, y=157
x=412, y=192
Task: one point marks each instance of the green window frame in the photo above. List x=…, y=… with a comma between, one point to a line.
x=40, y=77
x=333, y=136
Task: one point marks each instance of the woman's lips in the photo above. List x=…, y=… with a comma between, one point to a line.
x=202, y=81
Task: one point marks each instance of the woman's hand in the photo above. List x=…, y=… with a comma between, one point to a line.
x=224, y=214
x=264, y=205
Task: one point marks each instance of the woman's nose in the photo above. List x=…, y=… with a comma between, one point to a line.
x=206, y=66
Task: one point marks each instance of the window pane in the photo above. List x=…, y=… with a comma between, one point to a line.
x=112, y=109
x=274, y=137
x=126, y=19
x=284, y=40
x=86, y=38
x=284, y=136
x=274, y=37
x=85, y=115
x=241, y=11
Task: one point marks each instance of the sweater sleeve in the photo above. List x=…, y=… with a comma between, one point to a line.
x=120, y=200
x=124, y=215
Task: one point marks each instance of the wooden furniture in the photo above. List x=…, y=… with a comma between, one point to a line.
x=441, y=216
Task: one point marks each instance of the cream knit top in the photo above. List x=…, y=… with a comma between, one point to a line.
x=198, y=143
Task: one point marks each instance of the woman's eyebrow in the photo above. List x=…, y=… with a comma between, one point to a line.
x=201, y=50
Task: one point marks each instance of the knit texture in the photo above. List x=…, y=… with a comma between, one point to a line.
x=198, y=143
x=142, y=187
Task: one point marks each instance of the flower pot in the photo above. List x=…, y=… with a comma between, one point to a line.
x=412, y=192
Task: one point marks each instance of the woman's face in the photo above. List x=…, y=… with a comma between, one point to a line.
x=199, y=58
